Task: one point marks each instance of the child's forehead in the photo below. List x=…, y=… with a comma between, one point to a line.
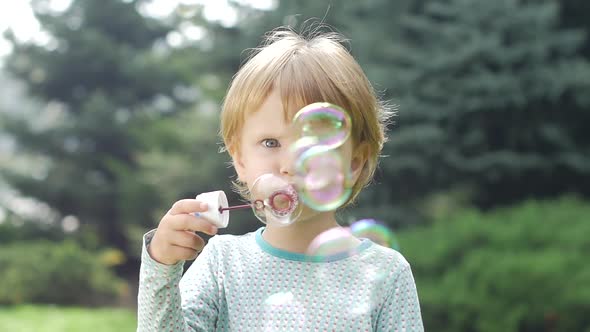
x=276, y=103
x=268, y=120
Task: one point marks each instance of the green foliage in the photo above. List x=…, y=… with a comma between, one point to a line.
x=56, y=273
x=519, y=269
x=574, y=14
x=18, y=230
x=98, y=77
x=65, y=319
x=492, y=97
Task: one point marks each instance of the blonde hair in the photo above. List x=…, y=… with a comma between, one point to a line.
x=307, y=69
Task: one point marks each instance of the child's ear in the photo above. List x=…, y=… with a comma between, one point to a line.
x=359, y=158
x=238, y=163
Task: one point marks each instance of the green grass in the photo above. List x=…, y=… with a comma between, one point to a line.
x=65, y=319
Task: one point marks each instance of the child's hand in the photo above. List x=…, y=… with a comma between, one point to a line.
x=175, y=239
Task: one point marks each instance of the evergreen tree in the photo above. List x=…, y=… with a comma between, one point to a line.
x=574, y=14
x=102, y=82
x=493, y=97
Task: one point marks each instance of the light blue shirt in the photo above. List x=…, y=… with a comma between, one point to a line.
x=242, y=283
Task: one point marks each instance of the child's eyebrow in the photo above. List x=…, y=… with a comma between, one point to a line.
x=267, y=130
x=272, y=132
x=267, y=134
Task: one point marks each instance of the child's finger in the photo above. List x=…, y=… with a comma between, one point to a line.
x=188, y=240
x=188, y=222
x=184, y=253
x=187, y=206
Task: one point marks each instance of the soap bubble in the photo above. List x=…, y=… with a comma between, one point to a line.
x=334, y=241
x=374, y=231
x=274, y=200
x=302, y=145
x=327, y=123
x=323, y=181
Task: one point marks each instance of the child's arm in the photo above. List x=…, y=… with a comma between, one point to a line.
x=401, y=310
x=200, y=290
x=163, y=255
x=160, y=305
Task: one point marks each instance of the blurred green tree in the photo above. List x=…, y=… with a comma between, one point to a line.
x=102, y=79
x=574, y=14
x=493, y=99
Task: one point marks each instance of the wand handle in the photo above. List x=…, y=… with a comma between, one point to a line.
x=236, y=207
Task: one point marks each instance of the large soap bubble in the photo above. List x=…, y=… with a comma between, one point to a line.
x=323, y=180
x=334, y=241
x=374, y=231
x=327, y=123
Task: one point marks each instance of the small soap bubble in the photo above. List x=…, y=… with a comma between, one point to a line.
x=337, y=240
x=274, y=200
x=323, y=181
x=329, y=124
x=375, y=231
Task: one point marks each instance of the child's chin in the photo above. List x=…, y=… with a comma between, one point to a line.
x=307, y=215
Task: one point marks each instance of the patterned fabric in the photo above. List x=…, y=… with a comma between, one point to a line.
x=242, y=283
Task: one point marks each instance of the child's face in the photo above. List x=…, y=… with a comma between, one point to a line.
x=264, y=144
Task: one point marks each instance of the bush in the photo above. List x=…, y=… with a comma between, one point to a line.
x=57, y=273
x=515, y=269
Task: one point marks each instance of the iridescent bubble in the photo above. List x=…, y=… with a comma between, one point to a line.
x=323, y=181
x=337, y=240
x=274, y=200
x=302, y=145
x=374, y=231
x=329, y=124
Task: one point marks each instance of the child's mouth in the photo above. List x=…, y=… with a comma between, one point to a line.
x=280, y=203
x=275, y=200
x=283, y=202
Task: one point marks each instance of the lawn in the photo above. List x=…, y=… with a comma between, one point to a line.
x=65, y=319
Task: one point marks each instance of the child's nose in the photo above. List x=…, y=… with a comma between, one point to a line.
x=286, y=168
x=287, y=163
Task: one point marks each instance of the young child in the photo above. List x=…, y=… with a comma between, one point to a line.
x=265, y=281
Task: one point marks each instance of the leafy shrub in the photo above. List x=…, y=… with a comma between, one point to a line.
x=522, y=269
x=58, y=273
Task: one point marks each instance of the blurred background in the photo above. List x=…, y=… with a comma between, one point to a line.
x=109, y=113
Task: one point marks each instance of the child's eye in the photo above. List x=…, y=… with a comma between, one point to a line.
x=270, y=143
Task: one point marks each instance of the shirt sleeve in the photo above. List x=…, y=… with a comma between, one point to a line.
x=162, y=306
x=200, y=291
x=401, y=310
